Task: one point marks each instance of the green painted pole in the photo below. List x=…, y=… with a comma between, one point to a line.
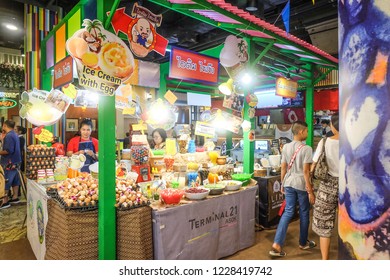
x=310, y=110
x=164, y=71
x=107, y=147
x=249, y=147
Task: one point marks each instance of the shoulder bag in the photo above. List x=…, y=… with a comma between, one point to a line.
x=281, y=210
x=321, y=167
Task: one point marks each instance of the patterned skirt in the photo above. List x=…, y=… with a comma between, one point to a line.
x=325, y=206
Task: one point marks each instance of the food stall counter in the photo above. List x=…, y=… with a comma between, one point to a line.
x=213, y=228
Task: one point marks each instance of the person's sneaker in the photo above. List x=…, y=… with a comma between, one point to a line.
x=5, y=205
x=14, y=201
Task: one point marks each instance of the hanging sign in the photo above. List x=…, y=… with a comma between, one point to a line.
x=234, y=55
x=286, y=88
x=6, y=103
x=42, y=134
x=63, y=72
x=140, y=29
x=103, y=60
x=192, y=66
x=41, y=107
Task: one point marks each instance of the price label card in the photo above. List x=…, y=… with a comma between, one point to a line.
x=170, y=97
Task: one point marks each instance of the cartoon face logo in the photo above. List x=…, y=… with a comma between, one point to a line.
x=143, y=29
x=143, y=37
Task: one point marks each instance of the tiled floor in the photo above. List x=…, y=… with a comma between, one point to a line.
x=21, y=249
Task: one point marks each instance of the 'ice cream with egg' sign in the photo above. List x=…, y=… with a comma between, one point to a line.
x=103, y=60
x=192, y=66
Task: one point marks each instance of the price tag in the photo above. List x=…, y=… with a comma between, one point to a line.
x=170, y=97
x=205, y=182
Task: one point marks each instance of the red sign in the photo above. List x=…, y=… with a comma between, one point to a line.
x=63, y=72
x=192, y=66
x=286, y=88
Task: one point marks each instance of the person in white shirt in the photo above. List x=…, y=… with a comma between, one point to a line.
x=325, y=206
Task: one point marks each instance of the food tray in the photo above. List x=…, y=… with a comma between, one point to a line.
x=79, y=207
x=135, y=205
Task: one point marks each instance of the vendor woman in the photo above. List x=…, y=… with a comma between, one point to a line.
x=159, y=136
x=84, y=144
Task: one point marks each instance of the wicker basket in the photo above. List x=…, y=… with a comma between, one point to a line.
x=70, y=234
x=135, y=234
x=73, y=235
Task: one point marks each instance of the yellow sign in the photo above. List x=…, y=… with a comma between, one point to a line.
x=44, y=136
x=70, y=91
x=286, y=88
x=170, y=97
x=140, y=126
x=129, y=111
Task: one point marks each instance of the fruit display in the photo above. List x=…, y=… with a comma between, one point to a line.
x=82, y=193
x=39, y=157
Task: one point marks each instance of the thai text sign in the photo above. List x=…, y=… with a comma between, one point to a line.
x=286, y=88
x=187, y=65
x=63, y=72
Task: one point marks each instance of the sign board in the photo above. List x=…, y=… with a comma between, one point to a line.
x=103, y=60
x=192, y=66
x=6, y=103
x=204, y=129
x=63, y=72
x=286, y=88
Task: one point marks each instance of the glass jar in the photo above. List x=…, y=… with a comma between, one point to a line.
x=139, y=154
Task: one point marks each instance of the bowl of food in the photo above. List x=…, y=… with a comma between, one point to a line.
x=215, y=189
x=232, y=185
x=242, y=177
x=196, y=193
x=171, y=196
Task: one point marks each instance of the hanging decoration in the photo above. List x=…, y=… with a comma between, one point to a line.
x=41, y=107
x=234, y=55
x=103, y=60
x=251, y=135
x=140, y=29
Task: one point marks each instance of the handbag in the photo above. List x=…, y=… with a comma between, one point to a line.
x=321, y=167
x=281, y=210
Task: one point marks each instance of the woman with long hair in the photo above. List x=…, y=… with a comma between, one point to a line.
x=325, y=206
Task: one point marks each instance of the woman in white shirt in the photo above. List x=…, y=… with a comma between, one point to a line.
x=325, y=206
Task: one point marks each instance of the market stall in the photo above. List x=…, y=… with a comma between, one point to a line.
x=105, y=64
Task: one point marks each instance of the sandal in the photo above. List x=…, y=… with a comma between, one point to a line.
x=309, y=245
x=275, y=253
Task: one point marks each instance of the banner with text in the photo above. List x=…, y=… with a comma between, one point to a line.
x=63, y=72
x=192, y=66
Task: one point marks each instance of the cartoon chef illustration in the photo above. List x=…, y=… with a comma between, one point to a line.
x=141, y=32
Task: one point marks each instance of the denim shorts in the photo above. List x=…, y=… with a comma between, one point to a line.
x=13, y=178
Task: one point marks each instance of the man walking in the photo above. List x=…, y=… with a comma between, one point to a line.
x=295, y=170
x=10, y=161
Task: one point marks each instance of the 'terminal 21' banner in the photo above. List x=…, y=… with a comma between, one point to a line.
x=192, y=66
